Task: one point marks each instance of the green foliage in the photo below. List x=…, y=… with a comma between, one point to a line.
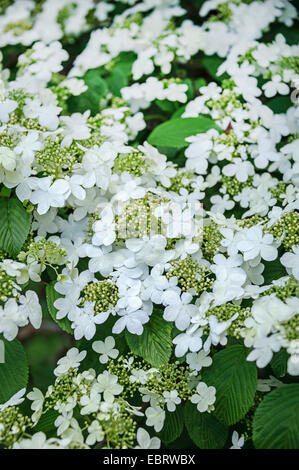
x=155, y=344
x=15, y=225
x=174, y=132
x=276, y=420
x=204, y=429
x=14, y=370
x=279, y=104
x=173, y=426
x=279, y=363
x=90, y=99
x=235, y=380
x=211, y=64
x=46, y=422
x=120, y=74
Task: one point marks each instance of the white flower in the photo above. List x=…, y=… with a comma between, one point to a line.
x=90, y=403
x=107, y=384
x=8, y=158
x=180, y=310
x=221, y=204
x=275, y=86
x=218, y=330
x=145, y=441
x=199, y=360
x=95, y=433
x=132, y=321
x=37, y=403
x=31, y=308
x=84, y=320
x=11, y=318
x=293, y=361
x=264, y=349
x=237, y=441
x=70, y=361
x=257, y=244
x=75, y=128
x=6, y=107
x=171, y=399
x=37, y=441
x=291, y=262
x=15, y=400
x=188, y=341
x=105, y=349
x=47, y=115
x=240, y=168
x=155, y=417
x=204, y=398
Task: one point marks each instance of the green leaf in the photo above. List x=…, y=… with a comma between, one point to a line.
x=279, y=104
x=51, y=296
x=14, y=370
x=46, y=422
x=279, y=363
x=274, y=270
x=116, y=81
x=15, y=225
x=211, y=64
x=204, y=429
x=166, y=105
x=90, y=99
x=174, y=132
x=276, y=420
x=235, y=380
x=173, y=426
x=119, y=77
x=155, y=344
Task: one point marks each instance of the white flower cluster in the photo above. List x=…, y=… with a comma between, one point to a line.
x=149, y=232
x=93, y=409
x=196, y=237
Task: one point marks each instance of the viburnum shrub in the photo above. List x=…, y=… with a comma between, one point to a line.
x=149, y=243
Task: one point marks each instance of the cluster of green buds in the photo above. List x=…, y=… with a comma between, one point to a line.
x=138, y=219
x=211, y=240
x=182, y=180
x=103, y=293
x=288, y=228
x=45, y=252
x=225, y=312
x=191, y=275
x=133, y=163
x=57, y=161
x=8, y=139
x=89, y=227
x=13, y=426
x=17, y=116
x=226, y=102
x=250, y=221
x=64, y=388
x=120, y=429
x=289, y=289
x=64, y=14
x=232, y=186
x=290, y=328
x=290, y=62
x=279, y=190
x=175, y=376
x=18, y=27
x=122, y=366
x=8, y=287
